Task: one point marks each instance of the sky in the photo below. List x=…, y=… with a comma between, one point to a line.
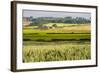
x=41, y=13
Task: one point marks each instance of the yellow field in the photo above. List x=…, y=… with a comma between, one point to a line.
x=81, y=27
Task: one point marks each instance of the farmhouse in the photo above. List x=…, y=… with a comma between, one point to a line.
x=26, y=21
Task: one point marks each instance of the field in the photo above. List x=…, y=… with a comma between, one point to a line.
x=56, y=51
x=71, y=31
x=65, y=42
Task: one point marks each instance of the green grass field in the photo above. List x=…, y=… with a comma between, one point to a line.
x=50, y=37
x=66, y=42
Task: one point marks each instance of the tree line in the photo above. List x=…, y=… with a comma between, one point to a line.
x=67, y=20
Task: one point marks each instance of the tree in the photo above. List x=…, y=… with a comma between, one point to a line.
x=54, y=25
x=31, y=18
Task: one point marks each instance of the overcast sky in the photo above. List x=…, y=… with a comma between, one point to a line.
x=35, y=13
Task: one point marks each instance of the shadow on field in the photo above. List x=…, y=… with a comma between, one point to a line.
x=54, y=40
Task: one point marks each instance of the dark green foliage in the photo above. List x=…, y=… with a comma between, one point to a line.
x=54, y=25
x=69, y=20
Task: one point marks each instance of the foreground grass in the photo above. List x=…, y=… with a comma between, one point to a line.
x=55, y=51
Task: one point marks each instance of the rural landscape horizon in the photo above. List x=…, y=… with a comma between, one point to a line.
x=56, y=36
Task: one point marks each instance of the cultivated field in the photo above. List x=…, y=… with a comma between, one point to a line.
x=56, y=51
x=65, y=42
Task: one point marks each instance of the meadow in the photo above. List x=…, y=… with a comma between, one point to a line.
x=66, y=42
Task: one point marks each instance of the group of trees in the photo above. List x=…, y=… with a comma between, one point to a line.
x=69, y=20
